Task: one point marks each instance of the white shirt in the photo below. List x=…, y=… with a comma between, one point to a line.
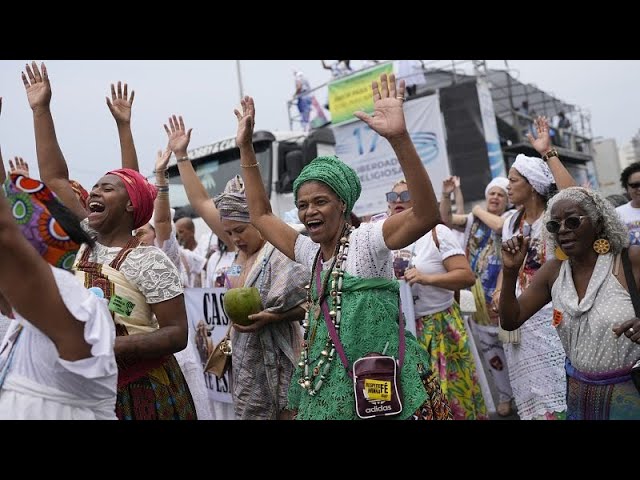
x=41, y=385
x=427, y=259
x=630, y=216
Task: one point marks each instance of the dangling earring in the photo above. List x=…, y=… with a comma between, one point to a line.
x=560, y=255
x=601, y=246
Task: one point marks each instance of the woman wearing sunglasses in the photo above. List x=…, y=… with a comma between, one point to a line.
x=433, y=267
x=592, y=308
x=536, y=363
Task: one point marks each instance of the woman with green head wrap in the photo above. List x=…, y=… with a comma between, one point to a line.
x=362, y=293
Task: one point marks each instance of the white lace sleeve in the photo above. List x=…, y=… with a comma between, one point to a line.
x=84, y=224
x=449, y=246
x=305, y=250
x=171, y=247
x=369, y=257
x=149, y=269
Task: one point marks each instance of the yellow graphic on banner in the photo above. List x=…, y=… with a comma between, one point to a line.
x=353, y=93
x=377, y=390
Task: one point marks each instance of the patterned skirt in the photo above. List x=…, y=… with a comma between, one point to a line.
x=437, y=406
x=619, y=401
x=162, y=394
x=444, y=337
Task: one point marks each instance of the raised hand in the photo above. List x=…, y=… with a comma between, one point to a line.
x=179, y=137
x=37, y=86
x=162, y=159
x=18, y=167
x=448, y=185
x=514, y=252
x=542, y=142
x=456, y=181
x=246, y=121
x=120, y=103
x=388, y=116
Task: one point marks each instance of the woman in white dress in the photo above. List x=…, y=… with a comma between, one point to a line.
x=57, y=360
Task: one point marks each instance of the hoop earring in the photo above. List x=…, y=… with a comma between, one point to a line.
x=601, y=246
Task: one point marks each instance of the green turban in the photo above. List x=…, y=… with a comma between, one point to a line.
x=332, y=171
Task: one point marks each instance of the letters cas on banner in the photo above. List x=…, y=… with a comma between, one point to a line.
x=208, y=326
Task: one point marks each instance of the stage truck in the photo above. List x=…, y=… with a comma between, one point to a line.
x=281, y=156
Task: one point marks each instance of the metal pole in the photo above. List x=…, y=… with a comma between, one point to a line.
x=239, y=79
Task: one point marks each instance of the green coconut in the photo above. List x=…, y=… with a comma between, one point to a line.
x=241, y=302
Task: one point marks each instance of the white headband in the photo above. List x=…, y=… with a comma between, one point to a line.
x=500, y=182
x=536, y=171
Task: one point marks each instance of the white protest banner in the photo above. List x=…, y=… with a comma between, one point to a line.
x=375, y=162
x=208, y=324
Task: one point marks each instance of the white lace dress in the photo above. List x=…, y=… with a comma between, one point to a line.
x=536, y=364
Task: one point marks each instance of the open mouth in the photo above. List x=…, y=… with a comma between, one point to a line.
x=314, y=226
x=96, y=210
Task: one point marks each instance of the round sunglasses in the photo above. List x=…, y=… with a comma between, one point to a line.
x=393, y=196
x=571, y=223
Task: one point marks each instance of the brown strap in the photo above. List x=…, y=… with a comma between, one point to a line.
x=124, y=252
x=435, y=237
x=616, y=265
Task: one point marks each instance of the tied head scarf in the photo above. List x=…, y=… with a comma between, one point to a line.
x=32, y=205
x=500, y=182
x=536, y=171
x=332, y=171
x=232, y=203
x=141, y=193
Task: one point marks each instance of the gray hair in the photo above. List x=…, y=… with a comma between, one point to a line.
x=598, y=210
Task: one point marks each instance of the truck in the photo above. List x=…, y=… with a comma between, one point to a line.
x=281, y=156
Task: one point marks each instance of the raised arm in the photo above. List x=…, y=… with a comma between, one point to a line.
x=494, y=222
x=196, y=193
x=3, y=173
x=49, y=314
x=272, y=228
x=448, y=217
x=120, y=107
x=161, y=207
x=542, y=144
x=459, y=198
x=515, y=311
x=388, y=121
x=51, y=162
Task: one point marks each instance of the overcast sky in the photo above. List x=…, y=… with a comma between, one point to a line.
x=206, y=91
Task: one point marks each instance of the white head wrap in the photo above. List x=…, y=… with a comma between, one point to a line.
x=500, y=182
x=536, y=171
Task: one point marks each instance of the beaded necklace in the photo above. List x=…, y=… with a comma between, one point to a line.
x=312, y=379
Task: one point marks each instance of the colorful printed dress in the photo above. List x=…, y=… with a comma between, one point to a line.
x=440, y=329
x=483, y=249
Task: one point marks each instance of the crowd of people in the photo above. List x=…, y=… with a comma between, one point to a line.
x=552, y=268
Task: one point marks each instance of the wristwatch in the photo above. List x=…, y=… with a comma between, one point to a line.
x=551, y=153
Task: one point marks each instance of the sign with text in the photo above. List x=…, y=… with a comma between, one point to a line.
x=353, y=93
x=375, y=162
x=208, y=324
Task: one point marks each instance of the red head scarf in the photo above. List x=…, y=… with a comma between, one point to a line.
x=141, y=193
x=80, y=191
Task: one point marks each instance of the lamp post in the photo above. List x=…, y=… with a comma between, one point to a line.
x=239, y=79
